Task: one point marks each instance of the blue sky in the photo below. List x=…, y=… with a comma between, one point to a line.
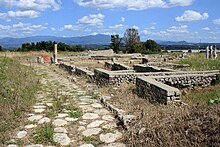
x=176, y=20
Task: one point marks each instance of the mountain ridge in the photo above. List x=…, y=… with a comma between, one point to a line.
x=10, y=42
x=99, y=39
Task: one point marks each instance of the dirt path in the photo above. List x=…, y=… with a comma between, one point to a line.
x=66, y=115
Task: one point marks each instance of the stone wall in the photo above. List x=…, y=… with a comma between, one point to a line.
x=166, y=64
x=118, y=66
x=109, y=65
x=105, y=77
x=83, y=71
x=146, y=68
x=190, y=80
x=109, y=52
x=155, y=86
x=67, y=67
x=77, y=70
x=155, y=91
x=101, y=77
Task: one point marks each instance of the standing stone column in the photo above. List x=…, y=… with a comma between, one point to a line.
x=211, y=52
x=207, y=52
x=55, y=53
x=215, y=52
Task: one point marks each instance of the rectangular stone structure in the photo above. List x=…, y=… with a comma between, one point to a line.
x=154, y=91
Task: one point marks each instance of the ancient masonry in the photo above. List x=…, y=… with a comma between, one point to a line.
x=211, y=52
x=152, y=83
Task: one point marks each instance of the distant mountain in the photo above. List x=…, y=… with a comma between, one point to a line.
x=99, y=39
x=174, y=43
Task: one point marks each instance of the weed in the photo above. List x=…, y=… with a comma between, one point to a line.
x=214, y=101
x=93, y=95
x=51, y=114
x=75, y=114
x=44, y=134
x=88, y=139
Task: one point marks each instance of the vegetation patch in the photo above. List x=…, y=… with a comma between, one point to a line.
x=18, y=85
x=75, y=114
x=209, y=95
x=199, y=62
x=44, y=135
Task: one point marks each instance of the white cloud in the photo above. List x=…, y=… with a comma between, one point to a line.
x=206, y=28
x=39, y=5
x=19, y=29
x=190, y=15
x=216, y=21
x=136, y=27
x=92, y=20
x=19, y=14
x=53, y=29
x=122, y=19
x=175, y=29
x=180, y=2
x=69, y=27
x=132, y=4
x=118, y=26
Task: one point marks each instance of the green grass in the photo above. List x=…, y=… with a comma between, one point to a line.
x=74, y=111
x=18, y=84
x=75, y=114
x=92, y=140
x=44, y=135
x=51, y=114
x=209, y=95
x=199, y=62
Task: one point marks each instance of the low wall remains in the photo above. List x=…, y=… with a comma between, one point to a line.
x=189, y=80
x=67, y=67
x=109, y=65
x=105, y=77
x=118, y=66
x=146, y=68
x=154, y=91
x=166, y=64
x=155, y=86
x=77, y=70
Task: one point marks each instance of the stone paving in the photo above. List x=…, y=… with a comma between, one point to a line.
x=76, y=117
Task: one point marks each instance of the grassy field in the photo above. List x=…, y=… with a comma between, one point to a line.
x=18, y=85
x=199, y=62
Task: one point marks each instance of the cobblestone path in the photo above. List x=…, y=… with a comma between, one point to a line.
x=65, y=115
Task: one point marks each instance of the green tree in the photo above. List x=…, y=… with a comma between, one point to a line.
x=131, y=37
x=152, y=47
x=115, y=43
x=1, y=48
x=139, y=47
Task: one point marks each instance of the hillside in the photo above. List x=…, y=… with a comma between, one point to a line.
x=83, y=40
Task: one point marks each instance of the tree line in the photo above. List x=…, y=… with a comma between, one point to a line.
x=130, y=43
x=49, y=46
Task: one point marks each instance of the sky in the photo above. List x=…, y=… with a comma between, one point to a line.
x=168, y=20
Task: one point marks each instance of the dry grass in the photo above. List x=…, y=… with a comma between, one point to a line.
x=167, y=125
x=18, y=85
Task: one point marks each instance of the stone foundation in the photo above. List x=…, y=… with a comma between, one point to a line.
x=146, y=68
x=155, y=91
x=155, y=86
